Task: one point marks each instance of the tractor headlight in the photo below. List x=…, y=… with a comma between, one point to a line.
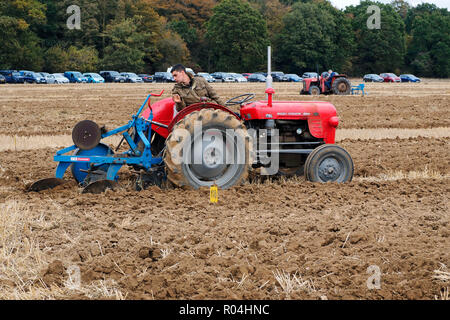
x=334, y=121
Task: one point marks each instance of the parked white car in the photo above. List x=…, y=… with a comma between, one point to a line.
x=59, y=78
x=131, y=77
x=207, y=76
x=238, y=77
x=49, y=78
x=222, y=77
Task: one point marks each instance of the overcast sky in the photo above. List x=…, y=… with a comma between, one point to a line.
x=440, y=3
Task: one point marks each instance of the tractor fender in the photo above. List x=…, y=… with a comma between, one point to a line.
x=163, y=112
x=198, y=106
x=322, y=123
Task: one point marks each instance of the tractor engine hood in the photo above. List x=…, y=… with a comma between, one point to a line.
x=321, y=116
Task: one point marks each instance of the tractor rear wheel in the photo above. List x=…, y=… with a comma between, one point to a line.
x=341, y=86
x=208, y=147
x=329, y=163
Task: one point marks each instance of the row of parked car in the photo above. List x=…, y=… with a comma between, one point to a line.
x=24, y=76
x=390, y=77
x=277, y=76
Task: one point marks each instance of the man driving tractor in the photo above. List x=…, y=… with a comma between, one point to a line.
x=329, y=78
x=189, y=89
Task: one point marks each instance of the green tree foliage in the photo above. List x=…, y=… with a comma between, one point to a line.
x=188, y=18
x=196, y=12
x=84, y=59
x=237, y=36
x=104, y=24
x=194, y=44
x=220, y=35
x=377, y=50
x=342, y=37
x=173, y=50
x=187, y=33
x=314, y=35
x=291, y=2
x=273, y=11
x=56, y=59
x=429, y=50
x=56, y=31
x=20, y=46
x=420, y=10
x=126, y=48
x=401, y=7
x=30, y=12
x=150, y=27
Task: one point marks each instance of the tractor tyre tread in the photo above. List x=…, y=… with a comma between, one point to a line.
x=336, y=83
x=313, y=157
x=174, y=170
x=313, y=89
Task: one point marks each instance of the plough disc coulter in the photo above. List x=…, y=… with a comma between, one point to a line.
x=94, y=165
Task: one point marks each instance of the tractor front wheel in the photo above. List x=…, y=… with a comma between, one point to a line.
x=329, y=163
x=208, y=147
x=314, y=90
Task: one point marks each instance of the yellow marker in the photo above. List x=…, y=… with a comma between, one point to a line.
x=213, y=194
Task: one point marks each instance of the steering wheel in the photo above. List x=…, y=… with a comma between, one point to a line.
x=240, y=99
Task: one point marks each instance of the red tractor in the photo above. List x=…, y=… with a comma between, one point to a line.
x=340, y=85
x=208, y=144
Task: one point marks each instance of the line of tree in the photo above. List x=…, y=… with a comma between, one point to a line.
x=145, y=36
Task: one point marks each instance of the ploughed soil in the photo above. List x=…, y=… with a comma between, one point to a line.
x=326, y=239
x=55, y=109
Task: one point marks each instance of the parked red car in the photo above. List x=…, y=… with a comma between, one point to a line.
x=390, y=77
x=246, y=75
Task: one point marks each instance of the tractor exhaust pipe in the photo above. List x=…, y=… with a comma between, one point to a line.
x=269, y=89
x=269, y=68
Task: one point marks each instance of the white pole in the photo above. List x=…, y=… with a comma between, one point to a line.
x=269, y=68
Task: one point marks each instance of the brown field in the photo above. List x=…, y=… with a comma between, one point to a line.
x=276, y=239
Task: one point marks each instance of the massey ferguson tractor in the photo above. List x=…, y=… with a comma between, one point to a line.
x=208, y=144
x=340, y=85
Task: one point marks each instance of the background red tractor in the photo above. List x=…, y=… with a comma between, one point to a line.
x=340, y=85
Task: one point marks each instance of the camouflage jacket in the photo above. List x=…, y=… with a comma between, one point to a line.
x=192, y=93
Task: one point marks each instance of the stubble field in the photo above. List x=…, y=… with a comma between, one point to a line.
x=277, y=239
